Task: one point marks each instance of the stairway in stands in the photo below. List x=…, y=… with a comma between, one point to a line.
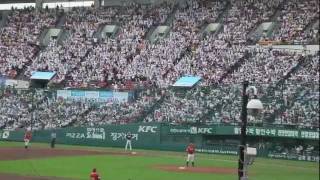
x=3, y=18
x=230, y=70
x=281, y=86
x=68, y=77
x=186, y=52
x=151, y=110
x=171, y=16
x=235, y=66
x=313, y=25
x=80, y=118
x=61, y=18
x=21, y=72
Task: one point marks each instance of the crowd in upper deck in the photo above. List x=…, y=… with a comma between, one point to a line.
x=129, y=59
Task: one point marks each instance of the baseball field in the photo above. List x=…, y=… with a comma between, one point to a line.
x=75, y=162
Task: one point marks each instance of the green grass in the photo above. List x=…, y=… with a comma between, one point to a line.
x=140, y=167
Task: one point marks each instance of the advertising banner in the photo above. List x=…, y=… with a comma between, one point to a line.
x=294, y=157
x=165, y=137
x=236, y=130
x=99, y=96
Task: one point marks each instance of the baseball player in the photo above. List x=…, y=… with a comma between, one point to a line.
x=53, y=139
x=94, y=175
x=190, y=151
x=129, y=138
x=27, y=138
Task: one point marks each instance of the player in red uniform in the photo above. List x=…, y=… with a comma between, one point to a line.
x=94, y=175
x=190, y=150
x=27, y=138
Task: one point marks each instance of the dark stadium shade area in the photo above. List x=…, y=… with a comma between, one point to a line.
x=16, y=1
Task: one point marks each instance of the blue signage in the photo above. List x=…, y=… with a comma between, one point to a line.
x=100, y=96
x=42, y=75
x=105, y=94
x=77, y=93
x=187, y=81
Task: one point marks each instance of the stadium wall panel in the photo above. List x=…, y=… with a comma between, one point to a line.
x=158, y=136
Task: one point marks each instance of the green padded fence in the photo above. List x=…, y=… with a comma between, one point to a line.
x=171, y=137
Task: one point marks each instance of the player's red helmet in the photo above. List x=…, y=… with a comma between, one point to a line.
x=94, y=170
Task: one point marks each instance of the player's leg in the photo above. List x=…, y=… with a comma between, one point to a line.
x=127, y=143
x=52, y=142
x=188, y=159
x=192, y=159
x=130, y=145
x=26, y=143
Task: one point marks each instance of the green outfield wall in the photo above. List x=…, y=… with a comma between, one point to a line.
x=209, y=139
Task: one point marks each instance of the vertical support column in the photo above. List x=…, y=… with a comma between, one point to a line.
x=32, y=109
x=97, y=3
x=243, y=138
x=182, y=3
x=39, y=4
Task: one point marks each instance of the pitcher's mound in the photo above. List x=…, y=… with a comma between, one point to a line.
x=213, y=170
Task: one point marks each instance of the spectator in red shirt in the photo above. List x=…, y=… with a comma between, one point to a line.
x=94, y=175
x=190, y=150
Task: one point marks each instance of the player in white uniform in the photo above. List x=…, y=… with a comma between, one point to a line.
x=129, y=138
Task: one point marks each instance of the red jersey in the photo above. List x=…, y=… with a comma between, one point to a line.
x=94, y=176
x=190, y=149
x=28, y=135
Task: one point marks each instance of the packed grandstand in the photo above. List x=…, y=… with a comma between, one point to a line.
x=127, y=60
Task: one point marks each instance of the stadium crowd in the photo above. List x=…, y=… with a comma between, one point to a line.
x=288, y=105
x=19, y=38
x=82, y=60
x=294, y=18
x=265, y=66
x=244, y=16
x=223, y=59
x=121, y=112
x=64, y=59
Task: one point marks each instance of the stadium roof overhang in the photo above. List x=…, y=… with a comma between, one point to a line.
x=33, y=1
x=16, y=1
